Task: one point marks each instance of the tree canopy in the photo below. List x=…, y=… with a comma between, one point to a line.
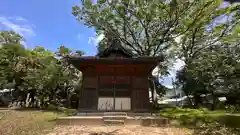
x=42, y=73
x=203, y=34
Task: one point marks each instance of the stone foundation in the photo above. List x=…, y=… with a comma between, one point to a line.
x=114, y=118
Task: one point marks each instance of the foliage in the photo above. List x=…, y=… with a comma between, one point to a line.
x=214, y=72
x=210, y=51
x=189, y=30
x=45, y=75
x=203, y=121
x=147, y=27
x=232, y=108
x=7, y=37
x=191, y=117
x=216, y=129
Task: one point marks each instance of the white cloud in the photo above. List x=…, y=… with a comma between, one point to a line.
x=95, y=40
x=176, y=66
x=19, y=25
x=18, y=18
x=167, y=81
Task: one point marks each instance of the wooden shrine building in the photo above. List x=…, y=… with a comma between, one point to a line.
x=114, y=80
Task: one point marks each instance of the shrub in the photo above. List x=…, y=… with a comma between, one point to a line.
x=52, y=107
x=215, y=129
x=232, y=108
x=230, y=120
x=190, y=117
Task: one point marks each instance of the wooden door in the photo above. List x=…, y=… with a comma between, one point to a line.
x=89, y=94
x=140, y=94
x=88, y=100
x=140, y=100
x=114, y=92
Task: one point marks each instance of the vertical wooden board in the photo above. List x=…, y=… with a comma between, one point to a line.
x=88, y=99
x=139, y=82
x=140, y=100
x=90, y=82
x=105, y=70
x=122, y=79
x=90, y=70
x=106, y=79
x=106, y=86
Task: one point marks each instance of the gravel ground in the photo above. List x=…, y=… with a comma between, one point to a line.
x=117, y=130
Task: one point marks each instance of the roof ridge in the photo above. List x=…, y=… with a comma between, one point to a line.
x=115, y=46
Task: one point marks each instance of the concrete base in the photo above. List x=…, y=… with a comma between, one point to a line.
x=79, y=120
x=98, y=120
x=102, y=114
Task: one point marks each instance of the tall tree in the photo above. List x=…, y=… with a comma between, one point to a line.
x=7, y=37
x=147, y=27
x=205, y=51
x=44, y=75
x=177, y=28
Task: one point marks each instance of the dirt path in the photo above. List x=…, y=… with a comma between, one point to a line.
x=117, y=130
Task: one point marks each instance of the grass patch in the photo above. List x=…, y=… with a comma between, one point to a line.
x=27, y=122
x=204, y=122
x=198, y=117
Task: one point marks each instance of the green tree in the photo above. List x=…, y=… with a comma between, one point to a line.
x=176, y=29
x=204, y=48
x=146, y=27
x=10, y=54
x=7, y=37
x=214, y=71
x=45, y=75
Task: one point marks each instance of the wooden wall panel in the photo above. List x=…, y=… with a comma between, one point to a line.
x=139, y=82
x=124, y=71
x=106, y=80
x=122, y=79
x=89, y=71
x=104, y=70
x=88, y=100
x=140, y=100
x=90, y=82
x=106, y=86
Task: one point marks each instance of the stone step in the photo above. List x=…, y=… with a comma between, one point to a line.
x=90, y=114
x=113, y=122
x=115, y=114
x=139, y=114
x=120, y=117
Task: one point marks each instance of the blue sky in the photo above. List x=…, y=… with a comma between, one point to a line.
x=50, y=23
x=47, y=23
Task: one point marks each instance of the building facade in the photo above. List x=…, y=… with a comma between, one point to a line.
x=114, y=80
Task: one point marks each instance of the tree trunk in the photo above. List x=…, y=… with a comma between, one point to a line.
x=32, y=96
x=214, y=101
x=153, y=90
x=191, y=102
x=189, y=99
x=42, y=104
x=197, y=100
